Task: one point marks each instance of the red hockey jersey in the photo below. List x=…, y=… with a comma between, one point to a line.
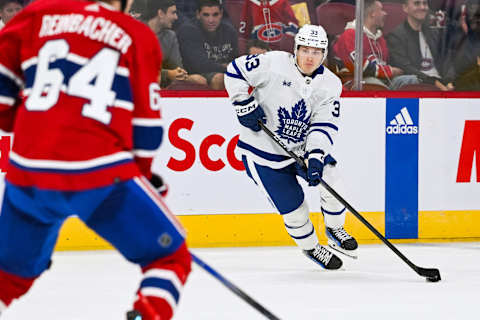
x=79, y=88
x=271, y=21
x=375, y=52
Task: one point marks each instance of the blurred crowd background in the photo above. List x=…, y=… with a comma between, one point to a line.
x=415, y=45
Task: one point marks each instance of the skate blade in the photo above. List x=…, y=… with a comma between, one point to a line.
x=349, y=253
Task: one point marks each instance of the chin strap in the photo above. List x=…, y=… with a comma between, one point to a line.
x=296, y=65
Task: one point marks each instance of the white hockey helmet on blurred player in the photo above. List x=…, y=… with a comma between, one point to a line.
x=312, y=36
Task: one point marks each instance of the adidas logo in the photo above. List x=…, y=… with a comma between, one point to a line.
x=402, y=124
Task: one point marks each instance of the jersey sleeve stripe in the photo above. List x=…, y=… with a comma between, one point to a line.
x=147, y=138
x=324, y=132
x=61, y=165
x=237, y=74
x=233, y=75
x=11, y=75
x=325, y=124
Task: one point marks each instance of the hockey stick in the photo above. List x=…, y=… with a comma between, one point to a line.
x=431, y=274
x=242, y=295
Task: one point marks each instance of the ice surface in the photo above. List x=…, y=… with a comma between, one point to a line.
x=100, y=285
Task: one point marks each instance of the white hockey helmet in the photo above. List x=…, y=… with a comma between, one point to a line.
x=312, y=36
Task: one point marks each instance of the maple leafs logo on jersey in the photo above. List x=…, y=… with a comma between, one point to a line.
x=293, y=127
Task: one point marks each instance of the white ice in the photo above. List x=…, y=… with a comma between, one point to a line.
x=100, y=285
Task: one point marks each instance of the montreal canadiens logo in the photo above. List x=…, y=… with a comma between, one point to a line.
x=270, y=33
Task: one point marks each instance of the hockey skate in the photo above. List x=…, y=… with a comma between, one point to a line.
x=323, y=257
x=341, y=241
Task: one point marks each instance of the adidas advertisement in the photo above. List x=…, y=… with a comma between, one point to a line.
x=402, y=123
x=401, y=168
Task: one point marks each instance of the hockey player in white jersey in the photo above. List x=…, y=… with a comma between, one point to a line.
x=298, y=99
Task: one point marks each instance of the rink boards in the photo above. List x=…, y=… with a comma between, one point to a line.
x=410, y=166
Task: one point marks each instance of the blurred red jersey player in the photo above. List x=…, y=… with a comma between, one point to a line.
x=79, y=90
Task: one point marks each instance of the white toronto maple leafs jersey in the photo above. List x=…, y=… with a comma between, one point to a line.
x=303, y=111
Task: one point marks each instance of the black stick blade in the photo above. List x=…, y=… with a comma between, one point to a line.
x=432, y=275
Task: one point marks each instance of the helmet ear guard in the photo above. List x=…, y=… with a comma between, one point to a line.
x=312, y=36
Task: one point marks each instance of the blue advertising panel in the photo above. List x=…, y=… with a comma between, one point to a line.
x=401, y=169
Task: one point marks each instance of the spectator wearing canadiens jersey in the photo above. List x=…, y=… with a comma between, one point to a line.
x=270, y=21
x=376, y=70
x=85, y=134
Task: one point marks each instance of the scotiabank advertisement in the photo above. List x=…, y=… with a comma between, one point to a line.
x=397, y=155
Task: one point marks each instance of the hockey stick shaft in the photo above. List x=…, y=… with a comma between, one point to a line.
x=431, y=274
x=240, y=293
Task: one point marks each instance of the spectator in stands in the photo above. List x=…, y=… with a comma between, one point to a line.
x=8, y=9
x=255, y=46
x=138, y=9
x=375, y=51
x=467, y=50
x=186, y=10
x=270, y=21
x=208, y=44
x=160, y=16
x=417, y=50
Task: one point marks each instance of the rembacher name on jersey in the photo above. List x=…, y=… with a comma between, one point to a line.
x=95, y=28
